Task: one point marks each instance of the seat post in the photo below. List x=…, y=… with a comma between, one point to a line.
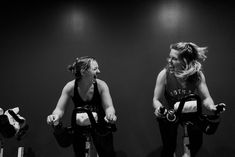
x=186, y=143
x=20, y=151
x=1, y=147
x=89, y=147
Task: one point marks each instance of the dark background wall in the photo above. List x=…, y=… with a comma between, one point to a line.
x=131, y=42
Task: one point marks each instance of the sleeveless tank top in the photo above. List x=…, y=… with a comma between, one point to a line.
x=95, y=103
x=174, y=91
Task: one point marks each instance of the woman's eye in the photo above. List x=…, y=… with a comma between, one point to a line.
x=172, y=59
x=175, y=59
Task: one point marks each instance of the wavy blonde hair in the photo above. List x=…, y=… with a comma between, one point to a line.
x=191, y=55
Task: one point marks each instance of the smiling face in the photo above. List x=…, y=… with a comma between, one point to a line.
x=93, y=70
x=174, y=62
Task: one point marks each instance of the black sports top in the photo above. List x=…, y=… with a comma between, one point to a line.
x=94, y=104
x=78, y=102
x=174, y=91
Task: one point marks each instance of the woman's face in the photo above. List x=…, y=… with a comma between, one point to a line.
x=93, y=71
x=174, y=62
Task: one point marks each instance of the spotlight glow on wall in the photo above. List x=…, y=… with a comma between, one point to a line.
x=170, y=15
x=75, y=21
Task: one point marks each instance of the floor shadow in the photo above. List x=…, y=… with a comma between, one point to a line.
x=202, y=153
x=29, y=152
x=120, y=153
x=155, y=153
x=223, y=151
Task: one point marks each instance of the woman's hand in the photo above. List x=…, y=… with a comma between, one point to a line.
x=53, y=119
x=110, y=118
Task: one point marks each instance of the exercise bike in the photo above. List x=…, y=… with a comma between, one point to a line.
x=207, y=123
x=64, y=135
x=94, y=127
x=12, y=125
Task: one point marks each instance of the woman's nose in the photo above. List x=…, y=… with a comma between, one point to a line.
x=169, y=60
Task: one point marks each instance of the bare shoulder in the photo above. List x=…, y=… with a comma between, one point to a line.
x=201, y=76
x=68, y=88
x=102, y=85
x=162, y=74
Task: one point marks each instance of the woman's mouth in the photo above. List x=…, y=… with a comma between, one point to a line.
x=171, y=66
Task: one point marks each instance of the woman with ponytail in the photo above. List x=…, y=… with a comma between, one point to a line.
x=181, y=77
x=86, y=90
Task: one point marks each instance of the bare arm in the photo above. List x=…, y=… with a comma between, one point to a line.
x=207, y=101
x=59, y=110
x=159, y=90
x=107, y=101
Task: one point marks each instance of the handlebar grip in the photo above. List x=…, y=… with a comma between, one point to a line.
x=111, y=127
x=219, y=108
x=162, y=110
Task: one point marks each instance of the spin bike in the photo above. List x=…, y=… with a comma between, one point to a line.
x=65, y=135
x=8, y=130
x=175, y=116
x=93, y=127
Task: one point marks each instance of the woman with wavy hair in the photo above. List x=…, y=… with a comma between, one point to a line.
x=181, y=77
